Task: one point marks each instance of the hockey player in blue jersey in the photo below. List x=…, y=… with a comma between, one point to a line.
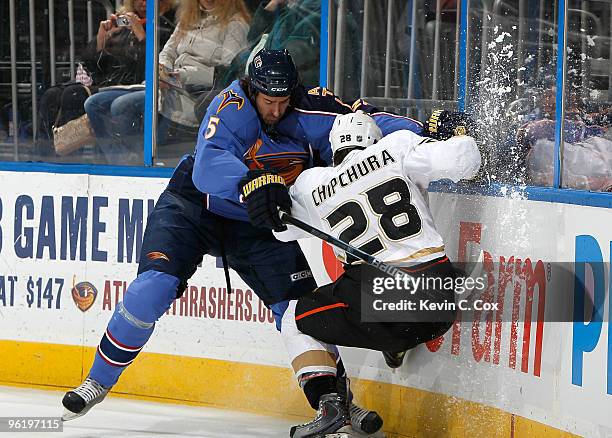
x=257, y=136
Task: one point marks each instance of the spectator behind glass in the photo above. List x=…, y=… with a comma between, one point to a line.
x=284, y=21
x=587, y=150
x=115, y=57
x=116, y=112
x=298, y=29
x=291, y=24
x=208, y=36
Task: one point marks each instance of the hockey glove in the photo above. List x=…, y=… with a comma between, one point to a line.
x=264, y=193
x=443, y=124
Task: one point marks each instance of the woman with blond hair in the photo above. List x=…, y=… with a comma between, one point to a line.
x=208, y=36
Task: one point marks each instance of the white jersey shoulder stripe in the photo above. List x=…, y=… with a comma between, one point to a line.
x=397, y=116
x=323, y=113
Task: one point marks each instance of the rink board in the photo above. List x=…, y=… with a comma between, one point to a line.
x=82, y=233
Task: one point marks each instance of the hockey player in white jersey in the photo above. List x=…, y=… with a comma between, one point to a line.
x=372, y=200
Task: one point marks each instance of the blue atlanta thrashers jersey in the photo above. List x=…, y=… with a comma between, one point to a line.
x=232, y=139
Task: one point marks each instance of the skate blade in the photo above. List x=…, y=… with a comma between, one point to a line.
x=349, y=432
x=378, y=434
x=69, y=415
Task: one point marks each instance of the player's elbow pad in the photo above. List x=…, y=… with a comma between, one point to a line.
x=461, y=160
x=471, y=160
x=473, y=168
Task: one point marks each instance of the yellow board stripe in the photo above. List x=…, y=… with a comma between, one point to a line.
x=270, y=390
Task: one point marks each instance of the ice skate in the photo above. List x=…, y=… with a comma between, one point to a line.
x=363, y=421
x=394, y=359
x=80, y=400
x=331, y=416
x=349, y=432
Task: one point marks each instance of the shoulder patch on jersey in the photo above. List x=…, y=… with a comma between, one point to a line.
x=230, y=97
x=320, y=91
x=358, y=103
x=320, y=100
x=337, y=99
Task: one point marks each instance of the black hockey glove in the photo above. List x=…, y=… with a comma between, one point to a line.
x=264, y=193
x=443, y=125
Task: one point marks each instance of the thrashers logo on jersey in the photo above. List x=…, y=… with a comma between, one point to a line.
x=251, y=153
x=230, y=97
x=287, y=164
x=289, y=167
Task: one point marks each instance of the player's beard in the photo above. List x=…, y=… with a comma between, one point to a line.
x=272, y=122
x=270, y=129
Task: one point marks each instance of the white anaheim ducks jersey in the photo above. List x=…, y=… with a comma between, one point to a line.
x=372, y=200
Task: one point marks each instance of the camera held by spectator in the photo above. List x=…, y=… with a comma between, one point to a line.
x=123, y=21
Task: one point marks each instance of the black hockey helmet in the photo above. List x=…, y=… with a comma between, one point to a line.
x=273, y=73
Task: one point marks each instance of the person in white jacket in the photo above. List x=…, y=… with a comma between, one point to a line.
x=371, y=198
x=209, y=34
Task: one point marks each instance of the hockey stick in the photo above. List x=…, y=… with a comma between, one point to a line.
x=350, y=249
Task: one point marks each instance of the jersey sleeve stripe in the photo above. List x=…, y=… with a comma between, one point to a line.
x=397, y=116
x=320, y=309
x=421, y=253
x=294, y=153
x=323, y=113
x=422, y=268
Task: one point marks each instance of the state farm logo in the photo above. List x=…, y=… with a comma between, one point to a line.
x=517, y=286
x=84, y=294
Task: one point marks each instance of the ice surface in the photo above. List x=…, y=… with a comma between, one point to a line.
x=118, y=417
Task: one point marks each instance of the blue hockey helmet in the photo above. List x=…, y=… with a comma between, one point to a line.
x=273, y=73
